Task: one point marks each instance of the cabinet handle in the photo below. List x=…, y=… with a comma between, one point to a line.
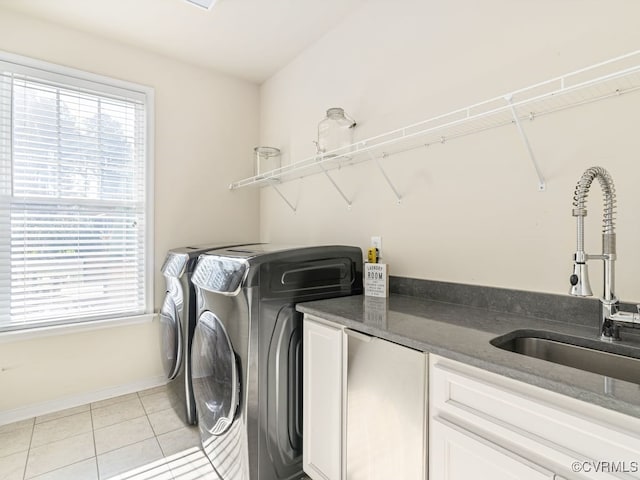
x=358, y=335
x=477, y=439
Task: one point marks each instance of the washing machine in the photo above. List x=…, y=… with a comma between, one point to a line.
x=247, y=351
x=177, y=324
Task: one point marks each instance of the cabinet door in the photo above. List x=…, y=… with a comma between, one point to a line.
x=386, y=410
x=458, y=454
x=322, y=400
x=538, y=424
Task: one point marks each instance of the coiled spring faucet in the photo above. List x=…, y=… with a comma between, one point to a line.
x=611, y=318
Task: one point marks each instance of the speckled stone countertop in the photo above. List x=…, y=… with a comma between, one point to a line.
x=463, y=333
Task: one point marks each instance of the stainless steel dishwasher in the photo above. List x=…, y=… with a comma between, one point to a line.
x=386, y=410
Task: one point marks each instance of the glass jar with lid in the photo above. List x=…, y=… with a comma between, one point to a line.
x=266, y=160
x=335, y=133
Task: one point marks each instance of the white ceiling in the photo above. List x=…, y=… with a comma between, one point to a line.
x=250, y=39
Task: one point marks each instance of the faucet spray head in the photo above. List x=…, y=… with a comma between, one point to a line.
x=580, y=286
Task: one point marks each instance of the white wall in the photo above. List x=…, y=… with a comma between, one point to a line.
x=471, y=211
x=206, y=125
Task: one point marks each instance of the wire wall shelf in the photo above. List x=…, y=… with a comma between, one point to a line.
x=603, y=80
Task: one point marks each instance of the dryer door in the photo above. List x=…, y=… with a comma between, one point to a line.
x=216, y=384
x=171, y=336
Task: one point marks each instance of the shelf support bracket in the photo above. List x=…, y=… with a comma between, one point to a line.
x=346, y=199
x=386, y=177
x=291, y=206
x=542, y=186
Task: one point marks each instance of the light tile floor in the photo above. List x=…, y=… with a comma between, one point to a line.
x=132, y=437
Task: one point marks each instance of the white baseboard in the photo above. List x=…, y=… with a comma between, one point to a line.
x=50, y=406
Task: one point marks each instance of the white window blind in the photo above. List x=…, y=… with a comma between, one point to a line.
x=72, y=199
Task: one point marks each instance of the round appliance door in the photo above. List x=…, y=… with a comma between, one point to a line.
x=216, y=385
x=171, y=336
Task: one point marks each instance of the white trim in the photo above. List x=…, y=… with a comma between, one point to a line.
x=26, y=63
x=70, y=328
x=150, y=199
x=51, y=406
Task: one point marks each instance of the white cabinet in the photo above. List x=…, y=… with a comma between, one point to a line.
x=365, y=404
x=522, y=428
x=365, y=418
x=322, y=398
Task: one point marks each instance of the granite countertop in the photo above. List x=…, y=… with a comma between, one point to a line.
x=464, y=333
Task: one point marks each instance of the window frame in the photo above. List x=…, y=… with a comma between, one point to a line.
x=109, y=86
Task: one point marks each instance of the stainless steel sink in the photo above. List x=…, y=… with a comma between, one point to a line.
x=590, y=355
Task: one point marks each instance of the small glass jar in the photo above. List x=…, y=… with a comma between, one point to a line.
x=335, y=133
x=266, y=159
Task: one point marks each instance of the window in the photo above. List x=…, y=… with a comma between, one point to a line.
x=74, y=196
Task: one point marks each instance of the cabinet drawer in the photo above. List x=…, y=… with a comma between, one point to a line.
x=549, y=426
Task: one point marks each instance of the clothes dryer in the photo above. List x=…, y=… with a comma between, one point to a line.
x=177, y=324
x=247, y=351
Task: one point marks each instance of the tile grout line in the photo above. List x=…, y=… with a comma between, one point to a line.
x=95, y=449
x=61, y=417
x=119, y=422
x=155, y=436
x=112, y=404
x=60, y=468
x=146, y=414
x=164, y=455
x=26, y=462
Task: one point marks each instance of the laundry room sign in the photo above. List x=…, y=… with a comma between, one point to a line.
x=376, y=280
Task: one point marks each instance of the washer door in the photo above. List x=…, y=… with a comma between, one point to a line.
x=216, y=385
x=171, y=336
